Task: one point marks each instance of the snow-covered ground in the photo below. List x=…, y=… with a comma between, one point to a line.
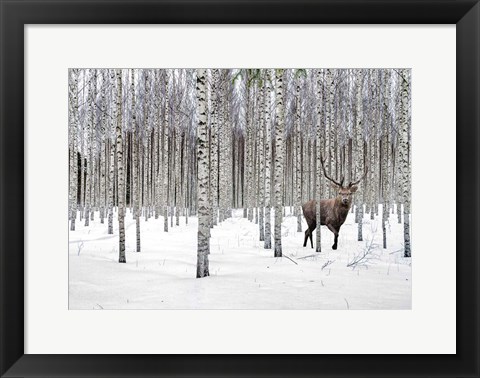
x=243, y=275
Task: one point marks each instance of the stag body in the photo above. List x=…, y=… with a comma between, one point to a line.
x=333, y=211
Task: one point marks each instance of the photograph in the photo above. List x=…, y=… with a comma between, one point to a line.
x=239, y=189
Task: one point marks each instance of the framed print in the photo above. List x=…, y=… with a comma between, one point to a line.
x=239, y=189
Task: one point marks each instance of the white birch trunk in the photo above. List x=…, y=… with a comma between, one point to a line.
x=279, y=161
x=111, y=175
x=203, y=248
x=318, y=192
x=386, y=157
x=261, y=143
x=73, y=149
x=268, y=162
x=166, y=129
x=135, y=161
x=404, y=159
x=359, y=139
x=121, y=178
x=93, y=156
x=177, y=174
x=298, y=159
x=103, y=146
x=156, y=144
x=249, y=155
x=88, y=137
x=330, y=128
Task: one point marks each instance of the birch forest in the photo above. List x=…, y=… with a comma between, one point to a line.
x=182, y=174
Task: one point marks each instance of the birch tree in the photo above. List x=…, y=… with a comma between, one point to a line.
x=298, y=154
x=89, y=138
x=166, y=124
x=214, y=163
x=359, y=143
x=318, y=194
x=111, y=173
x=404, y=160
x=121, y=179
x=135, y=164
x=74, y=122
x=262, y=163
x=103, y=127
x=279, y=125
x=386, y=157
x=268, y=162
x=203, y=248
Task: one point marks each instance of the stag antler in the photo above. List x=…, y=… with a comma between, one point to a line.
x=360, y=179
x=340, y=184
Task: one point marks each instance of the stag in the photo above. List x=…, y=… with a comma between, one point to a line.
x=333, y=211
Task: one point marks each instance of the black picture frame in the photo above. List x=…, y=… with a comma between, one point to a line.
x=15, y=14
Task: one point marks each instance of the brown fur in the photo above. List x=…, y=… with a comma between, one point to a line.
x=333, y=213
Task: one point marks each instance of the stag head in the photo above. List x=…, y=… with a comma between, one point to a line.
x=345, y=192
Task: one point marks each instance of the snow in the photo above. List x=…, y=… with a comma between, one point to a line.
x=243, y=275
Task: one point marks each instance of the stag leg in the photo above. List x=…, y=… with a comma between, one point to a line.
x=334, y=246
x=306, y=237
x=311, y=228
x=308, y=234
x=335, y=233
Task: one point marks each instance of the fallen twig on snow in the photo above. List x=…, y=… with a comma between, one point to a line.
x=304, y=257
x=290, y=259
x=329, y=262
x=365, y=256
